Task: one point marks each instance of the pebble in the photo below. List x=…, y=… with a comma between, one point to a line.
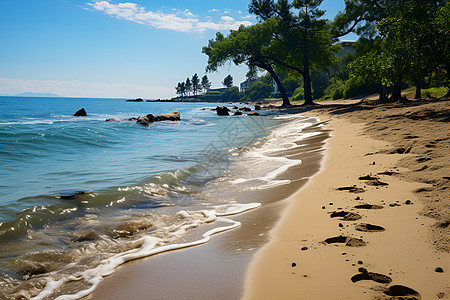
x=408, y=202
x=323, y=207
x=358, y=198
x=340, y=225
x=360, y=262
x=362, y=270
x=294, y=265
x=304, y=248
x=439, y=270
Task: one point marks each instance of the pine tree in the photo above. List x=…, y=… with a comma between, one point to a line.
x=228, y=81
x=188, y=86
x=206, y=84
x=196, y=84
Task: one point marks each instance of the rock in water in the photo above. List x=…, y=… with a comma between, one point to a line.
x=145, y=120
x=253, y=113
x=80, y=113
x=222, y=111
x=173, y=116
x=257, y=107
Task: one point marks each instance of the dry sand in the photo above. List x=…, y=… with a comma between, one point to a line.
x=313, y=255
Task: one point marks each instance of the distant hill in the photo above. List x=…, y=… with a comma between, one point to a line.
x=30, y=94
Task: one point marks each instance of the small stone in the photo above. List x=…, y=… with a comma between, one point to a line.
x=294, y=265
x=331, y=203
x=439, y=270
x=362, y=270
x=408, y=202
x=340, y=225
x=360, y=262
x=358, y=198
x=344, y=253
x=304, y=248
x=323, y=207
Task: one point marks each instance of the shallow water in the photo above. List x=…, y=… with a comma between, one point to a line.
x=80, y=196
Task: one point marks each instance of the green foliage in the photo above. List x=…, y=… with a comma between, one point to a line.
x=231, y=94
x=228, y=81
x=196, y=84
x=258, y=91
x=299, y=94
x=188, y=86
x=206, y=84
x=212, y=93
x=412, y=39
x=437, y=92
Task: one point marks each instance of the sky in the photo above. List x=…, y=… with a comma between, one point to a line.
x=115, y=48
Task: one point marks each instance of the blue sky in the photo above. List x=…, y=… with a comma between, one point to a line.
x=128, y=48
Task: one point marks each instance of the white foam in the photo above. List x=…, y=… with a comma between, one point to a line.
x=151, y=246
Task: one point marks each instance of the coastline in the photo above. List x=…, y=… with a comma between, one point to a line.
x=217, y=269
x=404, y=252
x=298, y=264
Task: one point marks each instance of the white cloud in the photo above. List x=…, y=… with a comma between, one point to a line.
x=77, y=88
x=182, y=21
x=213, y=10
x=227, y=19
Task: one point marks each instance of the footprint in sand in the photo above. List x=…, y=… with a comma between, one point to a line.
x=345, y=215
x=351, y=189
x=368, y=206
x=388, y=173
x=348, y=241
x=402, y=292
x=376, y=183
x=369, y=228
x=380, y=278
x=368, y=177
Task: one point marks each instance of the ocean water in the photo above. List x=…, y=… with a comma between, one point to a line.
x=80, y=196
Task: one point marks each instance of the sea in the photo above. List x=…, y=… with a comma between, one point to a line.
x=80, y=196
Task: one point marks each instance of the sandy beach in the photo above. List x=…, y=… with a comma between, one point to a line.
x=372, y=224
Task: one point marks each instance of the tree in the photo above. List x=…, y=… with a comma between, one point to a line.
x=206, y=84
x=178, y=89
x=228, y=81
x=181, y=89
x=301, y=36
x=248, y=45
x=414, y=37
x=195, y=84
x=188, y=86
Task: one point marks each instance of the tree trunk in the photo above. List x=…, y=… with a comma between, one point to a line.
x=418, y=89
x=286, y=101
x=307, y=85
x=382, y=95
x=397, y=92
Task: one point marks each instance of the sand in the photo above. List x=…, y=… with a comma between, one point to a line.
x=314, y=256
x=295, y=249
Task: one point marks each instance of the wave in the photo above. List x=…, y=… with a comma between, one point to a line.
x=149, y=244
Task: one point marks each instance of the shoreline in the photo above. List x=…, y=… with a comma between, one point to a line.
x=307, y=256
x=217, y=268
x=321, y=271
